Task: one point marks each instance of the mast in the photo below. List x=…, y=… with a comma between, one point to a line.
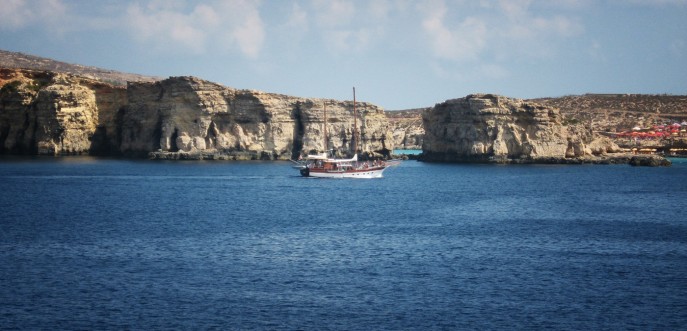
x=325, y=127
x=355, y=125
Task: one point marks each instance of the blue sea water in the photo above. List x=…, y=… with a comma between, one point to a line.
x=113, y=244
x=407, y=151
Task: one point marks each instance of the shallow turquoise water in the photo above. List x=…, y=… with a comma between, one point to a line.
x=407, y=151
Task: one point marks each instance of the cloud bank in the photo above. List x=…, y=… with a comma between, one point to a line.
x=212, y=26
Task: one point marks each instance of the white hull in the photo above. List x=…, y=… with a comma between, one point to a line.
x=376, y=173
x=321, y=166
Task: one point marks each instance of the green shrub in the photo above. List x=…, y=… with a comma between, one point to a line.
x=34, y=86
x=10, y=87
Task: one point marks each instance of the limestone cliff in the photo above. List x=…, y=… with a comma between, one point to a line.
x=53, y=113
x=50, y=113
x=190, y=115
x=406, y=127
x=491, y=128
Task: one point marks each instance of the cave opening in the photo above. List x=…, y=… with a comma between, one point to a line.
x=173, y=141
x=298, y=131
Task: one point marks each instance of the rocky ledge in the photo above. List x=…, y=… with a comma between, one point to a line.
x=615, y=158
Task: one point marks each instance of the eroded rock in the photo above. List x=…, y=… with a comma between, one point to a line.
x=54, y=113
x=49, y=113
x=492, y=128
x=190, y=115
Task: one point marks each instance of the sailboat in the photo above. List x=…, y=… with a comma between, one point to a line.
x=321, y=165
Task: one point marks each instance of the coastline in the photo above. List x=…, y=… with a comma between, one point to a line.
x=607, y=159
x=213, y=155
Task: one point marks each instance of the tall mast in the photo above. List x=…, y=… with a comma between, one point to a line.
x=355, y=125
x=325, y=127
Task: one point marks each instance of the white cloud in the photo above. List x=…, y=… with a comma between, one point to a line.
x=459, y=42
x=17, y=14
x=351, y=27
x=165, y=27
x=468, y=31
x=519, y=22
x=221, y=24
x=14, y=14
x=249, y=34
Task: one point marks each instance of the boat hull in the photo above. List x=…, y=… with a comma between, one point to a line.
x=362, y=174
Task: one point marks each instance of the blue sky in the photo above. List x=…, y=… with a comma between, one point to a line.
x=398, y=54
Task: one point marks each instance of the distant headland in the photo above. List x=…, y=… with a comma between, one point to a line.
x=54, y=108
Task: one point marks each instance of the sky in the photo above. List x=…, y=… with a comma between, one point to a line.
x=398, y=54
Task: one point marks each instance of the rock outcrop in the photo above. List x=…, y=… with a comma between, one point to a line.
x=649, y=161
x=186, y=114
x=491, y=128
x=406, y=127
x=179, y=117
x=50, y=113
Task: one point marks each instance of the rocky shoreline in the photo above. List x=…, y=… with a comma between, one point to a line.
x=609, y=159
x=633, y=160
x=209, y=155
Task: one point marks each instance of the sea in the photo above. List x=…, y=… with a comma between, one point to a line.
x=110, y=244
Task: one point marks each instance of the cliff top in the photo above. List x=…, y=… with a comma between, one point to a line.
x=620, y=112
x=664, y=104
x=24, y=61
x=10, y=78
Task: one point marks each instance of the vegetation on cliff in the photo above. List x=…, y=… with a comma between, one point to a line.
x=619, y=112
x=15, y=60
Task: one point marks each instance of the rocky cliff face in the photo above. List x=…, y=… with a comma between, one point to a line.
x=491, y=128
x=406, y=127
x=53, y=113
x=186, y=114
